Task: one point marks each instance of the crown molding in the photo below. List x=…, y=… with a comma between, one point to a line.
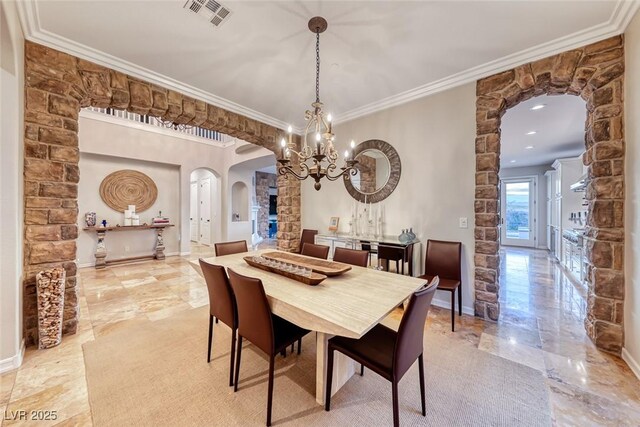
x=29, y=17
x=617, y=23
x=620, y=17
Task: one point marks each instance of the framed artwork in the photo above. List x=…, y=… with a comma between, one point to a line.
x=333, y=224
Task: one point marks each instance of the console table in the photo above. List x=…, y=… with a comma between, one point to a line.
x=411, y=249
x=101, y=248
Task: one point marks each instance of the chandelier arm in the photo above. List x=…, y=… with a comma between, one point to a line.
x=305, y=172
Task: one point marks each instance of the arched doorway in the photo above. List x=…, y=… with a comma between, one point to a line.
x=595, y=73
x=204, y=207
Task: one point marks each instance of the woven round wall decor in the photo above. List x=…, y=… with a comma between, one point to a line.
x=128, y=187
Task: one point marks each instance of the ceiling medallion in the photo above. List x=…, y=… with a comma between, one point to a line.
x=319, y=159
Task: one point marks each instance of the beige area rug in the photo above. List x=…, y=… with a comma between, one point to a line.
x=156, y=374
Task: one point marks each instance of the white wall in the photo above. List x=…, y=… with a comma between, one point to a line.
x=105, y=135
x=541, y=202
x=434, y=137
x=11, y=185
x=631, y=350
x=123, y=244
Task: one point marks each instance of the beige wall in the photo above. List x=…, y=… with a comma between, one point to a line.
x=93, y=169
x=434, y=137
x=11, y=154
x=631, y=351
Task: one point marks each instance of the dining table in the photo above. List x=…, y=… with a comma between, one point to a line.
x=347, y=305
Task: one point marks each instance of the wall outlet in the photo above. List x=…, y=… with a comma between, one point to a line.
x=127, y=248
x=463, y=222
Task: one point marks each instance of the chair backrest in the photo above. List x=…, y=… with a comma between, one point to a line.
x=254, y=313
x=409, y=344
x=391, y=252
x=351, y=256
x=222, y=302
x=444, y=259
x=308, y=236
x=229, y=248
x=316, y=251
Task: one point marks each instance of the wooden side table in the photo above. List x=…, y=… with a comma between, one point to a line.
x=101, y=248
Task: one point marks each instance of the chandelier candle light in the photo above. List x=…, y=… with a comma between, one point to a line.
x=323, y=154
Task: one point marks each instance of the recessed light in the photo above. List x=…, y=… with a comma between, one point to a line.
x=533, y=132
x=528, y=147
x=512, y=161
x=538, y=107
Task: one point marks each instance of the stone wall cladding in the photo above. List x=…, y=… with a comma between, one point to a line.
x=595, y=73
x=264, y=181
x=57, y=85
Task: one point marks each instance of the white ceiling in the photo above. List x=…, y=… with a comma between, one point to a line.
x=559, y=128
x=262, y=58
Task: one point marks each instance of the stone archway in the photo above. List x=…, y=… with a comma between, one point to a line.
x=596, y=73
x=57, y=85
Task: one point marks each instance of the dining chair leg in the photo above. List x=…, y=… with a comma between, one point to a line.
x=394, y=392
x=270, y=392
x=460, y=300
x=238, y=357
x=299, y=345
x=422, y=393
x=233, y=353
x=362, y=370
x=453, y=311
x=327, y=400
x=210, y=338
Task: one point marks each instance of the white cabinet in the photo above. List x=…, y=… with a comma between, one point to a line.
x=566, y=201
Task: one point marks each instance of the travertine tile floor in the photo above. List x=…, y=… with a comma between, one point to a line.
x=540, y=326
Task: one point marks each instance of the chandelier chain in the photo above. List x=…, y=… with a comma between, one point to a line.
x=317, y=66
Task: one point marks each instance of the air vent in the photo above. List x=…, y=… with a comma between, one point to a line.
x=211, y=10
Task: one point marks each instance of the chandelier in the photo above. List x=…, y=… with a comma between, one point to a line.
x=316, y=160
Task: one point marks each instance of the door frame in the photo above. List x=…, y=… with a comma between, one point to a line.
x=533, y=212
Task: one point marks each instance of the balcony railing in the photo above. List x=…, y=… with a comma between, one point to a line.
x=153, y=121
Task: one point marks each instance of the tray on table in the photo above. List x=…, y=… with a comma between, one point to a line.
x=313, y=280
x=320, y=266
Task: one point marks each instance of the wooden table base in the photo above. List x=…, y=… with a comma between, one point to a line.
x=101, y=247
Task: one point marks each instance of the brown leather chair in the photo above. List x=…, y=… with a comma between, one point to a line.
x=256, y=323
x=222, y=306
x=316, y=251
x=229, y=248
x=351, y=256
x=392, y=253
x=444, y=259
x=388, y=353
x=308, y=236
x=365, y=245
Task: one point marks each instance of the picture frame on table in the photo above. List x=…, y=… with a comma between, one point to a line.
x=333, y=224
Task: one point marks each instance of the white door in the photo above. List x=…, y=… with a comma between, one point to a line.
x=205, y=211
x=193, y=212
x=518, y=201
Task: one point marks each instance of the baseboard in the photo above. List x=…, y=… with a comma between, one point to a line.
x=185, y=253
x=93, y=264
x=13, y=362
x=633, y=364
x=447, y=304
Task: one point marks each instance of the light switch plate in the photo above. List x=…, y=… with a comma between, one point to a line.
x=463, y=222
